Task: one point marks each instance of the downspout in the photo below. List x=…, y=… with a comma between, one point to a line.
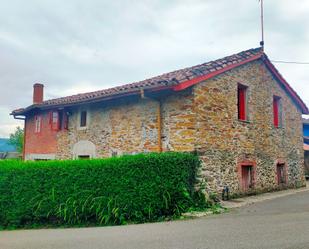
x=24, y=145
x=159, y=119
x=159, y=125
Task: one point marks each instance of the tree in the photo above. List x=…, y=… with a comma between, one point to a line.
x=17, y=139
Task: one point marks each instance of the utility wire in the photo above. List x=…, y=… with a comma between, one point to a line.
x=291, y=62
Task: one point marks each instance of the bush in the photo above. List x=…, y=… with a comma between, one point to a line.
x=140, y=188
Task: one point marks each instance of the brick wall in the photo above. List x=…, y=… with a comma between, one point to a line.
x=44, y=142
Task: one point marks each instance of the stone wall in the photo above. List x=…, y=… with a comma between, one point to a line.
x=178, y=122
x=131, y=126
x=127, y=128
x=307, y=163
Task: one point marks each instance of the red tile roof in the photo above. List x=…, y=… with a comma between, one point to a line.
x=176, y=80
x=306, y=147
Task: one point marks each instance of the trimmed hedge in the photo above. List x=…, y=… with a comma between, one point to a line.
x=140, y=188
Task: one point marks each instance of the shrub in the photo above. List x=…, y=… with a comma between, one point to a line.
x=139, y=188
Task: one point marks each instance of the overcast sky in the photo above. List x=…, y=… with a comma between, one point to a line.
x=76, y=46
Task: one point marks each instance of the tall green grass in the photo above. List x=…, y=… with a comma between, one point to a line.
x=140, y=188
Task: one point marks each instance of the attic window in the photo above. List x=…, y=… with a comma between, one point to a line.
x=242, y=102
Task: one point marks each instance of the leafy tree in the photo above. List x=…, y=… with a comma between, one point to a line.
x=17, y=139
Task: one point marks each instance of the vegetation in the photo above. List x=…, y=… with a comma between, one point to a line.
x=139, y=188
x=17, y=139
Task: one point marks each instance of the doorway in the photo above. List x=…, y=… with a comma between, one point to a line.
x=281, y=174
x=247, y=176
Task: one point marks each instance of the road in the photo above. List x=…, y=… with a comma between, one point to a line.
x=279, y=223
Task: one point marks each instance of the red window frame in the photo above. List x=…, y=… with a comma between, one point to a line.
x=242, y=166
x=58, y=120
x=277, y=112
x=281, y=179
x=242, y=102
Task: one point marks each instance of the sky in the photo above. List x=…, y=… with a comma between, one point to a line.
x=76, y=46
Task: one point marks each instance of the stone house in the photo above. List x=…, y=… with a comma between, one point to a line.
x=238, y=113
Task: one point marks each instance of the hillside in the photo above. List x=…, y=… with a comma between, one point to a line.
x=5, y=147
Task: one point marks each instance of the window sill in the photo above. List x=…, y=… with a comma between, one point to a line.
x=244, y=121
x=82, y=128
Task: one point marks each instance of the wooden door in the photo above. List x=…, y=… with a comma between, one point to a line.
x=280, y=174
x=247, y=177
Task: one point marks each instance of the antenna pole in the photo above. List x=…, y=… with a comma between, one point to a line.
x=262, y=23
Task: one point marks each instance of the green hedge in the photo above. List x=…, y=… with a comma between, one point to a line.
x=140, y=188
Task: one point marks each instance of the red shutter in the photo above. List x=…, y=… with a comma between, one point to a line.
x=242, y=103
x=50, y=117
x=276, y=111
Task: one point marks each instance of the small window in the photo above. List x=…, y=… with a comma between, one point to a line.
x=247, y=176
x=281, y=175
x=277, y=111
x=38, y=122
x=83, y=119
x=242, y=102
x=83, y=157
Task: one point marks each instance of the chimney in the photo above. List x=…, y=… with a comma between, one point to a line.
x=38, y=92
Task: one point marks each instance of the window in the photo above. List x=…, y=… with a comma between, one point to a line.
x=38, y=121
x=83, y=119
x=242, y=102
x=247, y=177
x=58, y=120
x=277, y=111
x=83, y=157
x=281, y=175
x=55, y=120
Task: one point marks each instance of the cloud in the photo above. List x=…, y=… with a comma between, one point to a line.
x=8, y=124
x=77, y=46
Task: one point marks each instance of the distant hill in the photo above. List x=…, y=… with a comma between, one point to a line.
x=5, y=146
